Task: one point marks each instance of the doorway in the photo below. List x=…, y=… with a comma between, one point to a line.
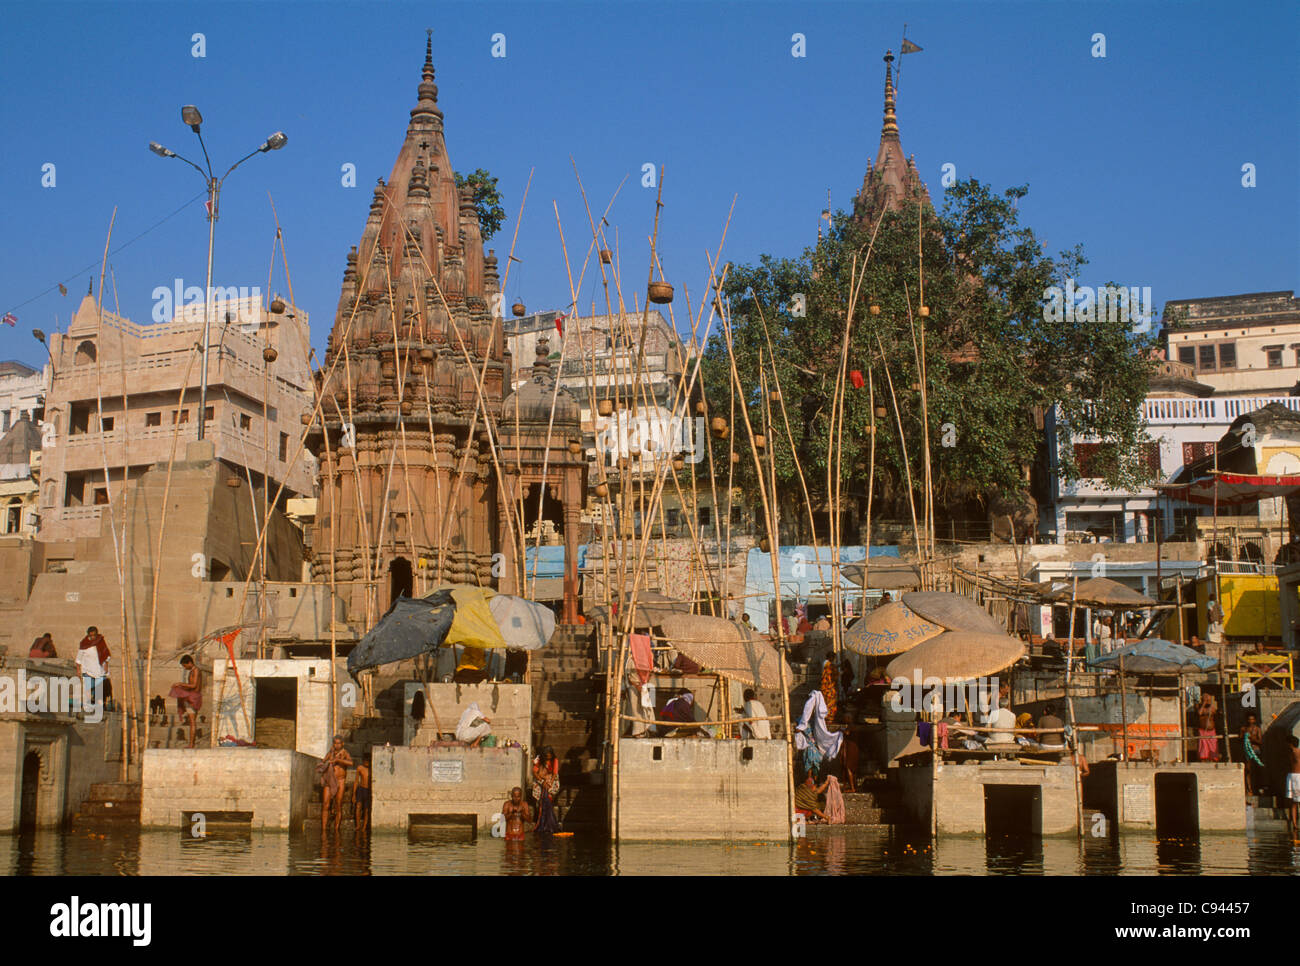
x=30, y=790
x=275, y=714
x=401, y=579
x=1177, y=814
x=1013, y=811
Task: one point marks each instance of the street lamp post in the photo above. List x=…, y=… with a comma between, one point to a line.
x=191, y=116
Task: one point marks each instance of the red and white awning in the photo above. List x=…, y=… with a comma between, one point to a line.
x=1232, y=489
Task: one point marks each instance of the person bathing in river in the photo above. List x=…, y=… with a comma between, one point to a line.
x=361, y=795
x=333, y=771
x=516, y=813
x=546, y=782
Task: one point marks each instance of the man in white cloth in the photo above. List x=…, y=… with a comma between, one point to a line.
x=812, y=728
x=1002, y=720
x=754, y=709
x=473, y=726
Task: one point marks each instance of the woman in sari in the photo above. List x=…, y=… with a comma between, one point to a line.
x=546, y=782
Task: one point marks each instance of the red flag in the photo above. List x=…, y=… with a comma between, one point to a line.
x=9, y=319
x=559, y=323
x=856, y=378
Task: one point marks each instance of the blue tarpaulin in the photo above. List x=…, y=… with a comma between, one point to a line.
x=549, y=561
x=803, y=572
x=1155, y=656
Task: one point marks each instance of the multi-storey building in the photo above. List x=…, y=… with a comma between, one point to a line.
x=1238, y=344
x=115, y=405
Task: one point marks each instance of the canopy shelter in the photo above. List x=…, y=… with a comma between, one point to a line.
x=651, y=608
x=1156, y=656
x=957, y=656
x=1103, y=592
x=1232, y=489
x=727, y=648
x=525, y=624
x=412, y=626
x=889, y=629
x=952, y=612
x=454, y=616
x=883, y=577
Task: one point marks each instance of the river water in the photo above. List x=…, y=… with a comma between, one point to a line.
x=833, y=851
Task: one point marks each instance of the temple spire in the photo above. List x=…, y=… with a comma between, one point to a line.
x=889, y=130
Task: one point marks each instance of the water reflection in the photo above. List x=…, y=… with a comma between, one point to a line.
x=826, y=851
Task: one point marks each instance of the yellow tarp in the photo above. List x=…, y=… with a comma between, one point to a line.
x=473, y=626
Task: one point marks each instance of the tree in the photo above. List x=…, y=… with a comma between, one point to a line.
x=487, y=200
x=997, y=370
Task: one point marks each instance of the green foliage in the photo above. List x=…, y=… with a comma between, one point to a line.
x=487, y=200
x=994, y=368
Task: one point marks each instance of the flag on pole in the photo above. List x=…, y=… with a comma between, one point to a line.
x=9, y=319
x=856, y=378
x=909, y=47
x=559, y=323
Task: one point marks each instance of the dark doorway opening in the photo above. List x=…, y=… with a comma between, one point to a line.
x=30, y=791
x=275, y=718
x=550, y=519
x=401, y=578
x=1013, y=810
x=1177, y=816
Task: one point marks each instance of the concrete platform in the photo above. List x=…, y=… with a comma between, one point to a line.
x=706, y=789
x=1202, y=796
x=266, y=788
x=464, y=786
x=988, y=797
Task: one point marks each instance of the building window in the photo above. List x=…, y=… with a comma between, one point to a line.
x=153, y=419
x=183, y=416
x=1228, y=356
x=284, y=447
x=245, y=422
x=1206, y=356
x=1197, y=451
x=1187, y=355
x=101, y=496
x=1274, y=353
x=736, y=517
x=106, y=424
x=705, y=517
x=207, y=414
x=1151, y=459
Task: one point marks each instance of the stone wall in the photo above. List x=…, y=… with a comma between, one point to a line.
x=509, y=706
x=703, y=789
x=1220, y=793
x=442, y=781
x=315, y=713
x=951, y=797
x=275, y=785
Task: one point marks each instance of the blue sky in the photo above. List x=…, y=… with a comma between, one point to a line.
x=1138, y=156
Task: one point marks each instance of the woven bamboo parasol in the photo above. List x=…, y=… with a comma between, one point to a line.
x=651, y=608
x=957, y=656
x=891, y=577
x=726, y=647
x=952, y=611
x=889, y=629
x=1104, y=592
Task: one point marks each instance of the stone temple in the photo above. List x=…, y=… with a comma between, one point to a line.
x=415, y=366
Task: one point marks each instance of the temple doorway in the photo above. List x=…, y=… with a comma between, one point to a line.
x=400, y=578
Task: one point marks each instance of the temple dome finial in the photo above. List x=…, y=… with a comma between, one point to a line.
x=890, y=127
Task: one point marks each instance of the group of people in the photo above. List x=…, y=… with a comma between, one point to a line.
x=518, y=812
x=333, y=772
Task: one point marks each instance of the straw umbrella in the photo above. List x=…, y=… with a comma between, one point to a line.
x=952, y=612
x=958, y=656
x=726, y=647
x=889, y=629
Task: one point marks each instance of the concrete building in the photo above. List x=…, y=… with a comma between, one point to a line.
x=115, y=400
x=1184, y=422
x=20, y=466
x=22, y=393
x=1239, y=344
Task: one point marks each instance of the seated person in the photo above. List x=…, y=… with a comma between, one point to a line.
x=43, y=647
x=754, y=709
x=807, y=798
x=679, y=709
x=1049, y=722
x=1001, y=722
x=473, y=726
x=878, y=676
x=823, y=623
